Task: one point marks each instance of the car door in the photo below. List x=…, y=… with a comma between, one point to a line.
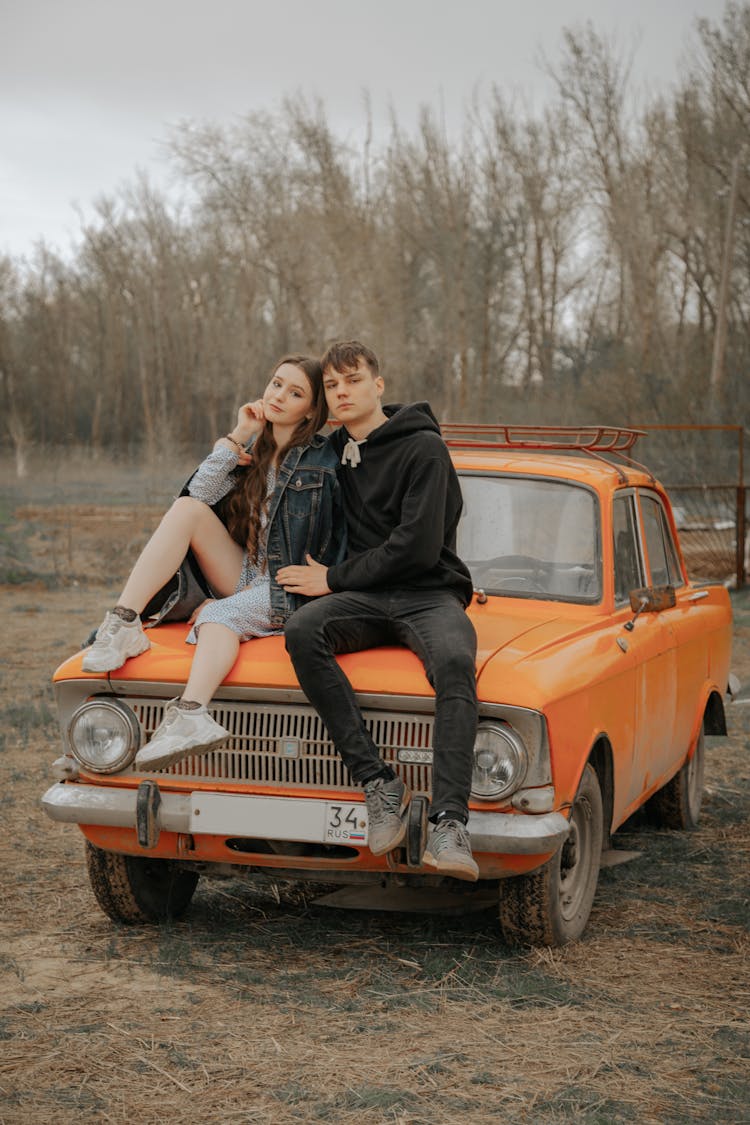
x=629, y=574
x=686, y=622
x=656, y=719
x=649, y=654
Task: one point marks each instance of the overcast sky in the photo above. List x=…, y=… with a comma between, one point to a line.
x=89, y=88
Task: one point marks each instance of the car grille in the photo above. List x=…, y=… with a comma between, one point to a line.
x=288, y=745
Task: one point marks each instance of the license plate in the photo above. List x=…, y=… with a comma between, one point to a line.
x=345, y=823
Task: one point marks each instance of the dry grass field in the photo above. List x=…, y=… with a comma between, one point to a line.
x=263, y=1006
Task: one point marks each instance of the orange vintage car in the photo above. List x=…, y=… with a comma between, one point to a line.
x=600, y=669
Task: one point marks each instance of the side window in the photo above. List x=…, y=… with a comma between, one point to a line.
x=662, y=556
x=628, y=566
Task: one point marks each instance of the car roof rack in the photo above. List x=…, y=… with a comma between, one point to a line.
x=596, y=441
x=590, y=439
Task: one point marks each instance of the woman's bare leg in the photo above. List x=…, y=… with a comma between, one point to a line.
x=215, y=653
x=188, y=523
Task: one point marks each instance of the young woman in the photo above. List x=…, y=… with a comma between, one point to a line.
x=279, y=504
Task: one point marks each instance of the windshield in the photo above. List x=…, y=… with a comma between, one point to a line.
x=526, y=537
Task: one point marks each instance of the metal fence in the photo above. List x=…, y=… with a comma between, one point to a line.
x=703, y=469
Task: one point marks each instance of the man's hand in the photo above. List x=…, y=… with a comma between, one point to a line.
x=310, y=580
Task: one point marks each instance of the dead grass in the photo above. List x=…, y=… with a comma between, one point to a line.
x=263, y=1007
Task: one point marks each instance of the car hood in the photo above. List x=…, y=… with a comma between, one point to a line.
x=508, y=633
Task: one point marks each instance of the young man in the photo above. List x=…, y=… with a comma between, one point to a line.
x=401, y=583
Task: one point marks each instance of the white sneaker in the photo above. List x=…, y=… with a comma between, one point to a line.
x=180, y=733
x=116, y=641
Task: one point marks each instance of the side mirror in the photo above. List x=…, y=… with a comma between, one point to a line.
x=651, y=599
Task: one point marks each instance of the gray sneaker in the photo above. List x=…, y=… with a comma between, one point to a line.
x=448, y=851
x=386, y=801
x=116, y=641
x=180, y=734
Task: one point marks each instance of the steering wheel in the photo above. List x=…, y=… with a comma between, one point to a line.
x=521, y=580
x=533, y=583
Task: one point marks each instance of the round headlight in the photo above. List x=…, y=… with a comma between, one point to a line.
x=500, y=761
x=104, y=735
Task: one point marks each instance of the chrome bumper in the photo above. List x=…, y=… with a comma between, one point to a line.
x=276, y=818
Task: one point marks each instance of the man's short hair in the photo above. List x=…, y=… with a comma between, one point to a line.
x=345, y=356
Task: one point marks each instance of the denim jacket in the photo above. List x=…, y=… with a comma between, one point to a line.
x=304, y=517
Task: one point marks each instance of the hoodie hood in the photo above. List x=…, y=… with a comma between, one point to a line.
x=403, y=421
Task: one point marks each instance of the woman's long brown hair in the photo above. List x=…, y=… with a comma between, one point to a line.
x=245, y=504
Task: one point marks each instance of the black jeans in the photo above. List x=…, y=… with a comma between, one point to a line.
x=432, y=624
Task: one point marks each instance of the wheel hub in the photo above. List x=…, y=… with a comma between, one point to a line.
x=573, y=872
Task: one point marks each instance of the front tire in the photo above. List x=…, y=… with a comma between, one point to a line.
x=136, y=889
x=551, y=906
x=678, y=803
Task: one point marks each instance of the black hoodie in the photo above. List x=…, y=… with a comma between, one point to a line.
x=402, y=504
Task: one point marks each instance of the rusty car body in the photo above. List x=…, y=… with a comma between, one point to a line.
x=601, y=668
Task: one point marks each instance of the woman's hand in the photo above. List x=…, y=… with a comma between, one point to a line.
x=310, y=580
x=196, y=611
x=251, y=419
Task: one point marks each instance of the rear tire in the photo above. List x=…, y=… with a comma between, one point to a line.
x=551, y=905
x=678, y=803
x=133, y=889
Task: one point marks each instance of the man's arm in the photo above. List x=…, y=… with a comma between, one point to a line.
x=412, y=547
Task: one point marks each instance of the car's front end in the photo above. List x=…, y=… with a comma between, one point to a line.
x=277, y=795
